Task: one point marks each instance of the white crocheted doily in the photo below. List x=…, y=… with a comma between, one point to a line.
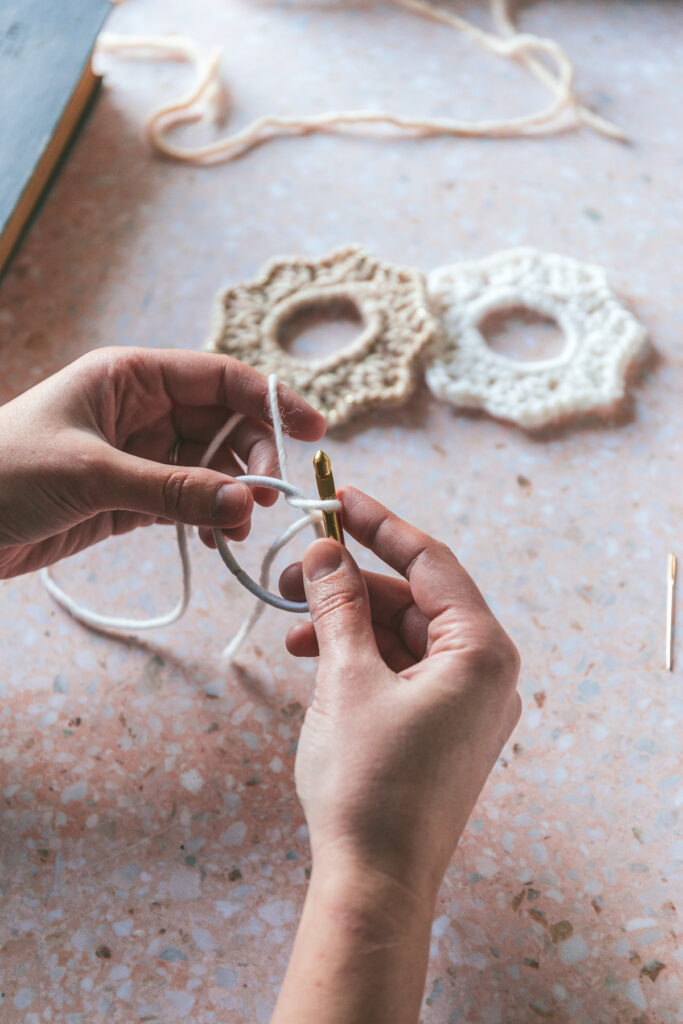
x=379, y=367
x=602, y=337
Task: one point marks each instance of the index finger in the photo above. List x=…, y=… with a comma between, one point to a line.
x=437, y=579
x=209, y=378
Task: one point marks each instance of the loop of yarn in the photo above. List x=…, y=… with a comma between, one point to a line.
x=259, y=589
x=99, y=622
x=295, y=497
x=207, y=92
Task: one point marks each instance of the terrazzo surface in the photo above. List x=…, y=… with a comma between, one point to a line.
x=153, y=855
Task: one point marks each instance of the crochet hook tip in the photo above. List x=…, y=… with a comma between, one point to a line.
x=326, y=489
x=322, y=464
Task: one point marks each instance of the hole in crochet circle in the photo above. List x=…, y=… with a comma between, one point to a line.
x=523, y=334
x=317, y=330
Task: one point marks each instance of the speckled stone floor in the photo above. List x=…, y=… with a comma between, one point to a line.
x=153, y=855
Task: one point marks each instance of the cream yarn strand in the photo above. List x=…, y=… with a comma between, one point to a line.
x=207, y=90
x=506, y=26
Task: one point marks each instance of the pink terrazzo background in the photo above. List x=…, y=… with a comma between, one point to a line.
x=153, y=855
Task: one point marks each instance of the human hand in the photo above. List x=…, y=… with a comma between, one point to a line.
x=82, y=454
x=414, y=698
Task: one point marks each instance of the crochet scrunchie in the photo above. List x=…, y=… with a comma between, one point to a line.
x=601, y=337
x=406, y=326
x=379, y=367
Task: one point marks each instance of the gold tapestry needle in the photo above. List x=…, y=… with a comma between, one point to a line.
x=671, y=564
x=326, y=489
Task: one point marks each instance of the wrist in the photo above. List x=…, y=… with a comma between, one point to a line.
x=361, y=949
x=361, y=895
x=412, y=866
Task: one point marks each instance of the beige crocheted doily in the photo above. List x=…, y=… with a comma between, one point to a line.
x=379, y=367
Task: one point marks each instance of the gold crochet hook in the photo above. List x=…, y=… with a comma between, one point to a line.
x=326, y=489
x=671, y=566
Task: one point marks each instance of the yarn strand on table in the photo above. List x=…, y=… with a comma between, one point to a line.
x=207, y=91
x=124, y=625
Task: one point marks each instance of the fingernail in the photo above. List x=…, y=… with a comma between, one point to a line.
x=230, y=503
x=321, y=559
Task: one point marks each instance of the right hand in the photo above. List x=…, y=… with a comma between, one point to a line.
x=414, y=698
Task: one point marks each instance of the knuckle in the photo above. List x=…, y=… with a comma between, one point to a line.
x=516, y=711
x=515, y=659
x=174, y=491
x=85, y=469
x=229, y=370
x=438, y=553
x=115, y=367
x=236, y=377
x=431, y=556
x=439, y=547
x=371, y=528
x=262, y=454
x=107, y=358
x=338, y=603
x=492, y=656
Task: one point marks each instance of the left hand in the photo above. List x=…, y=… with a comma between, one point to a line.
x=84, y=454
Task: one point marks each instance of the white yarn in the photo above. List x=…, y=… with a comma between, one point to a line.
x=295, y=497
x=207, y=91
x=260, y=590
x=108, y=622
x=602, y=337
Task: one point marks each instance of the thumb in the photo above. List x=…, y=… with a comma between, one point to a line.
x=338, y=603
x=184, y=494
